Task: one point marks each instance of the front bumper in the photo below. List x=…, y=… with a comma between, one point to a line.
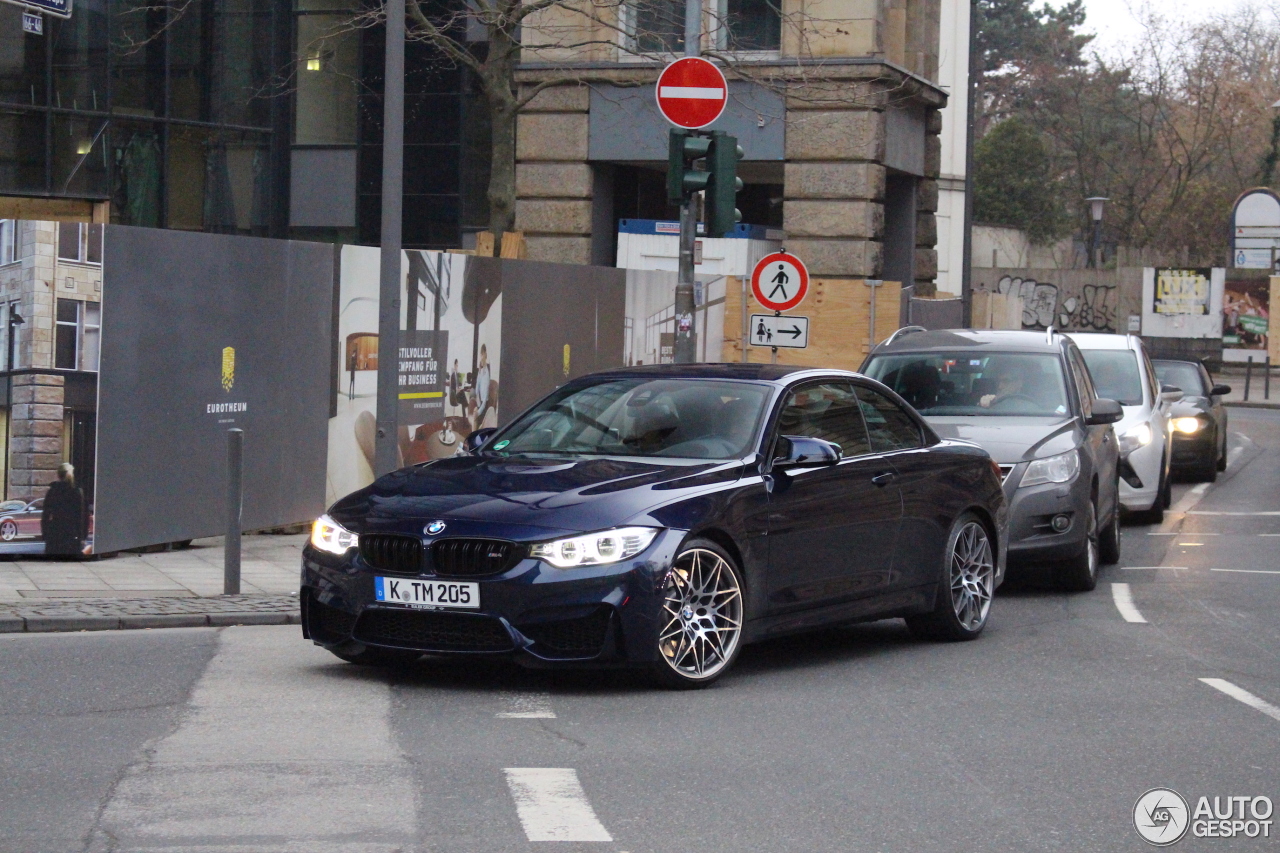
x=1195, y=450
x=1143, y=465
x=534, y=613
x=1031, y=513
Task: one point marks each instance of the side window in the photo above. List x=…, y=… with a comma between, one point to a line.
x=890, y=427
x=828, y=411
x=1084, y=385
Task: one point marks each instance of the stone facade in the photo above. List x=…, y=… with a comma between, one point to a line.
x=842, y=67
x=31, y=285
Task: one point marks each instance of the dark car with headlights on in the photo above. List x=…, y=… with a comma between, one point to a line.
x=661, y=517
x=1198, y=421
x=1028, y=398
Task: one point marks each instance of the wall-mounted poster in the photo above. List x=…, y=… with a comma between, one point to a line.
x=1182, y=303
x=1246, y=312
x=1182, y=292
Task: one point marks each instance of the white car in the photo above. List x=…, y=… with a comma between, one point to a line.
x=1122, y=371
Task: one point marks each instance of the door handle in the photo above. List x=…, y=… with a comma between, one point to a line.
x=883, y=479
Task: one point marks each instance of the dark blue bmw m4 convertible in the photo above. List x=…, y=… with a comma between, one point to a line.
x=662, y=517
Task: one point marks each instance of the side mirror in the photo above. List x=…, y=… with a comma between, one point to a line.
x=1171, y=393
x=476, y=440
x=795, y=451
x=1105, y=412
x=1220, y=390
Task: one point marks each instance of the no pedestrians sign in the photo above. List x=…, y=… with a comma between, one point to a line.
x=691, y=93
x=780, y=281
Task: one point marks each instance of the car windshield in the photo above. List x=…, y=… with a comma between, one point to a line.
x=636, y=416
x=976, y=383
x=1115, y=375
x=1182, y=375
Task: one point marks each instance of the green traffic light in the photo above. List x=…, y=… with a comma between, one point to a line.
x=724, y=184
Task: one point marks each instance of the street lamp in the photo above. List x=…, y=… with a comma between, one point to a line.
x=1095, y=210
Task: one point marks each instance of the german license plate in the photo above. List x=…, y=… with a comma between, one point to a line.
x=427, y=593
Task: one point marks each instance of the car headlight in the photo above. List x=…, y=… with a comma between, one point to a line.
x=595, y=549
x=1139, y=436
x=1189, y=426
x=329, y=535
x=1062, y=468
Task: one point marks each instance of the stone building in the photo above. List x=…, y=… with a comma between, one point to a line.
x=836, y=104
x=50, y=321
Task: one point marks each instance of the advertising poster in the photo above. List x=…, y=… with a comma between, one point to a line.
x=1182, y=292
x=1246, y=312
x=1182, y=303
x=447, y=367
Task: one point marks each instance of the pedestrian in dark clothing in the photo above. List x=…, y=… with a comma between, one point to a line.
x=62, y=521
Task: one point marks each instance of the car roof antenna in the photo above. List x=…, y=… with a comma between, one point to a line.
x=1048, y=334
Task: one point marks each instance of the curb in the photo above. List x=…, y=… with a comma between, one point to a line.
x=57, y=624
x=1242, y=404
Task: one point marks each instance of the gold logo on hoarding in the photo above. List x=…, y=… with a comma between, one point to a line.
x=228, y=368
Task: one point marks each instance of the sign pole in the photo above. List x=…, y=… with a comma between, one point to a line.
x=873, y=283
x=685, y=309
x=386, y=442
x=235, y=507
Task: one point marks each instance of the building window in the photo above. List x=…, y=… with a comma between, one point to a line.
x=658, y=26
x=8, y=241
x=77, y=335
x=753, y=25
x=78, y=241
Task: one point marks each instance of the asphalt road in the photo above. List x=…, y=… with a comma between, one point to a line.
x=1040, y=736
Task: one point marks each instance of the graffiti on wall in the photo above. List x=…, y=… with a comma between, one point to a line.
x=1092, y=308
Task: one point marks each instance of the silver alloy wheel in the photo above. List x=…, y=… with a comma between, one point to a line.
x=702, y=606
x=972, y=576
x=8, y=531
x=1092, y=547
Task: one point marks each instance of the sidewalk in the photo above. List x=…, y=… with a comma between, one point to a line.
x=1234, y=376
x=165, y=589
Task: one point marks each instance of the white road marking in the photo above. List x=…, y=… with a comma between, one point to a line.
x=1214, y=512
x=1183, y=507
x=281, y=748
x=1124, y=603
x=1190, y=544
x=1269, y=534
x=527, y=706
x=697, y=93
x=1244, y=696
x=1136, y=568
x=552, y=805
x=1249, y=571
x=1162, y=533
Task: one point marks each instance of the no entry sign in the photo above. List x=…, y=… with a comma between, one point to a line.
x=691, y=92
x=780, y=281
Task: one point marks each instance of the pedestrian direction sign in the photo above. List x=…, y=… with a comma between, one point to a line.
x=779, y=330
x=780, y=281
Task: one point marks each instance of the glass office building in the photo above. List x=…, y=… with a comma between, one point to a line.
x=254, y=117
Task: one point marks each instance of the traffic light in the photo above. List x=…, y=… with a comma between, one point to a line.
x=682, y=179
x=719, y=204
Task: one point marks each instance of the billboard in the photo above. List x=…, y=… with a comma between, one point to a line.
x=1246, y=313
x=1182, y=303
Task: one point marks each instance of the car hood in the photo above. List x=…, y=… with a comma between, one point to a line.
x=1190, y=407
x=526, y=497
x=1012, y=440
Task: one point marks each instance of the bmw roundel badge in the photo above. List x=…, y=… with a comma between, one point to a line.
x=433, y=528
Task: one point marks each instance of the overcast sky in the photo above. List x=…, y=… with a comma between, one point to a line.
x=1115, y=24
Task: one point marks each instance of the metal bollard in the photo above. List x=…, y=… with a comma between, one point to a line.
x=1266, y=380
x=1248, y=374
x=235, y=505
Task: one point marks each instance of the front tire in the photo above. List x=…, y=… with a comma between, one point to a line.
x=700, y=619
x=963, y=601
x=1081, y=573
x=1109, y=538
